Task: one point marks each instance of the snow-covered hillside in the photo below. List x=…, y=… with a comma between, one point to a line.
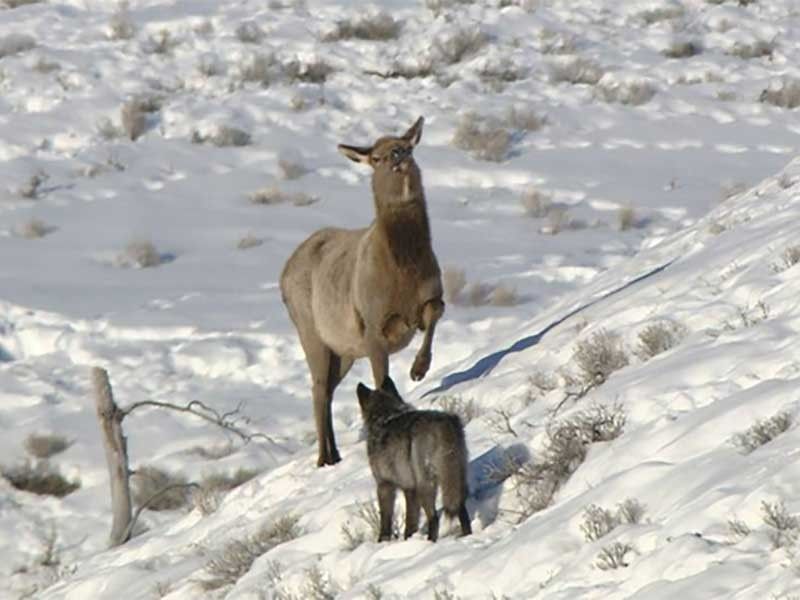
x=605, y=175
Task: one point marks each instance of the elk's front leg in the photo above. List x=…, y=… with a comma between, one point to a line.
x=432, y=311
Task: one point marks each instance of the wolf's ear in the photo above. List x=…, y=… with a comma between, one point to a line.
x=363, y=393
x=389, y=387
x=415, y=133
x=359, y=154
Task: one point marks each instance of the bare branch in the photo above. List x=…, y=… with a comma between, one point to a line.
x=227, y=420
x=150, y=500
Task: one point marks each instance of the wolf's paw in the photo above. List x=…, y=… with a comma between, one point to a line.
x=420, y=367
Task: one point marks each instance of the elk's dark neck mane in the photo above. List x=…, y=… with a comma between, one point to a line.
x=408, y=235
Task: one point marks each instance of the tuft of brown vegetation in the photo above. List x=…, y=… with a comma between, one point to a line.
x=784, y=528
x=249, y=241
x=41, y=479
x=249, y=32
x=367, y=525
x=33, y=229
x=140, y=254
x=159, y=489
x=235, y=559
x=455, y=45
x=208, y=495
x=271, y=196
x=575, y=70
x=466, y=410
x=121, y=25
x=16, y=43
x=631, y=92
x=598, y=357
x=375, y=27
x=613, y=556
x=784, y=93
x=763, y=431
x=45, y=445
x=659, y=337
x=485, y=138
x=682, y=49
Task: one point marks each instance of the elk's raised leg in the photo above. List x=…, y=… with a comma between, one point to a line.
x=432, y=311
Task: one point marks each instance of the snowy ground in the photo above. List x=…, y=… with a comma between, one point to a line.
x=684, y=148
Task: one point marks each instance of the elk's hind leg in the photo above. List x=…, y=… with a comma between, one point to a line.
x=432, y=311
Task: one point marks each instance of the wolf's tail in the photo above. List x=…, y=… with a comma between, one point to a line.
x=453, y=469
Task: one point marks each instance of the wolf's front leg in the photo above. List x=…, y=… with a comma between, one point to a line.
x=432, y=311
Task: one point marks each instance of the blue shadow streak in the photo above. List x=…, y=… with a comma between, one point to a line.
x=485, y=365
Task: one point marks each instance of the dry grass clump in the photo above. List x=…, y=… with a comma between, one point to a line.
x=485, y=138
x=680, y=48
x=763, y=431
x=626, y=217
x=664, y=11
x=212, y=488
x=41, y=479
x=750, y=49
x=312, y=71
x=737, y=530
x=453, y=281
x=236, y=557
x=249, y=241
x=367, y=525
x=225, y=136
x=45, y=445
x=504, y=295
x=556, y=42
x=375, y=27
x=259, y=68
x=271, y=196
x=45, y=66
x=525, y=119
x=32, y=189
x=536, y=203
x=784, y=528
x=16, y=43
x=33, y=229
x=291, y=166
x=140, y=254
x=466, y=410
x=783, y=94
x=159, y=489
x=18, y=3
x=575, y=70
x=599, y=521
x=598, y=357
x=210, y=65
x=613, y=556
x=160, y=43
x=133, y=117
x=789, y=258
x=456, y=290
x=121, y=25
x=499, y=72
x=439, y=6
x=455, y=45
x=565, y=449
x=659, y=337
x=630, y=92
x=249, y=32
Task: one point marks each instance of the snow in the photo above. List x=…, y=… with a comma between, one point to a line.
x=709, y=171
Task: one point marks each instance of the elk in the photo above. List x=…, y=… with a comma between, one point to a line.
x=354, y=293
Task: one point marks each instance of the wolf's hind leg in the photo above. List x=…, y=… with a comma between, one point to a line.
x=427, y=498
x=386, y=494
x=412, y=513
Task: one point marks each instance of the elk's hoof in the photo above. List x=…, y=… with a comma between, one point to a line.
x=420, y=367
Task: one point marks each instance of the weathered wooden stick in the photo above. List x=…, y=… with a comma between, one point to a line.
x=110, y=418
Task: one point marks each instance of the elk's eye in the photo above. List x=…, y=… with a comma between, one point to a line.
x=397, y=154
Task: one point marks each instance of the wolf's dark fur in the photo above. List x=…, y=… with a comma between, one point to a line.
x=416, y=451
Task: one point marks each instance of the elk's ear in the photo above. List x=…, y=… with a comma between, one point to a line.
x=415, y=133
x=389, y=387
x=358, y=154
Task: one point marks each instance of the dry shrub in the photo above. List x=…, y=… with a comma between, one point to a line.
x=784, y=528
x=439, y=6
x=455, y=45
x=45, y=445
x=503, y=295
x=210, y=65
x=682, y=49
x=33, y=229
x=140, y=254
x=659, y=337
x=789, y=258
x=626, y=216
x=599, y=521
x=737, y=530
x=565, y=449
x=556, y=42
x=133, y=117
x=376, y=27
x=575, y=70
x=212, y=488
x=16, y=43
x=249, y=241
x=259, y=68
x=236, y=558
x=271, y=196
x=536, y=203
x=784, y=93
x=453, y=280
x=291, y=166
x=367, y=525
x=613, y=556
x=312, y=71
x=664, y=11
x=45, y=66
x=763, y=431
x=41, y=479
x=249, y=32
x=466, y=410
x=160, y=43
x=751, y=49
x=159, y=489
x=598, y=357
x=525, y=119
x=631, y=92
x=121, y=25
x=485, y=138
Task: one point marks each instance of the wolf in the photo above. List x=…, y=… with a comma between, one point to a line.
x=417, y=451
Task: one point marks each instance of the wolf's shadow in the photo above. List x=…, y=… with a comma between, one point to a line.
x=487, y=473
